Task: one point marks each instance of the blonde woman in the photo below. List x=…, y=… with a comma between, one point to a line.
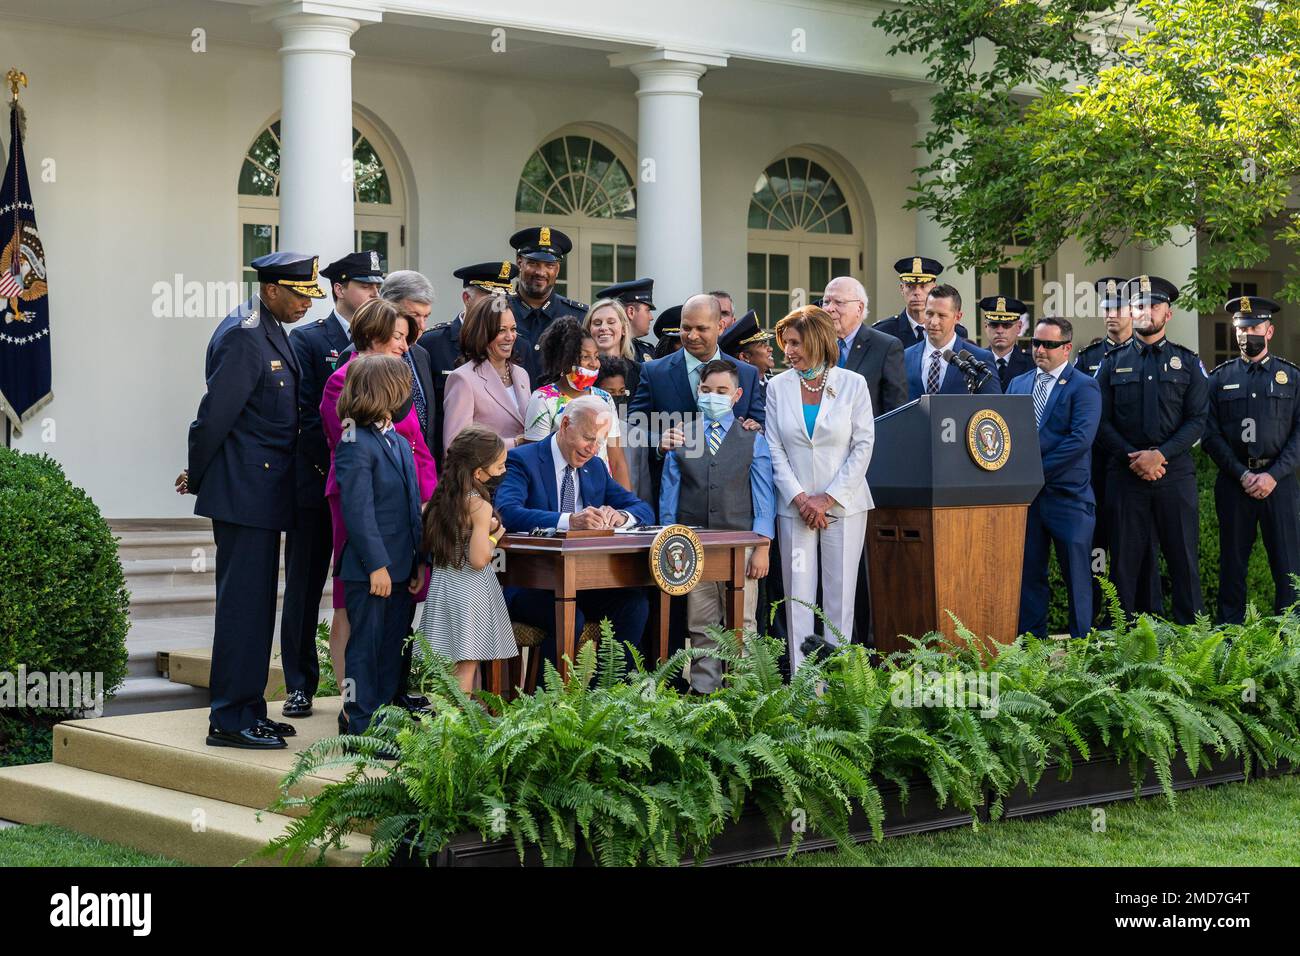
x=608, y=324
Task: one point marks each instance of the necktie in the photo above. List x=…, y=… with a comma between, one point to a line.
x=715, y=437
x=1040, y=396
x=568, y=492
x=1002, y=366
x=844, y=351
x=421, y=409
x=932, y=376
x=1151, y=396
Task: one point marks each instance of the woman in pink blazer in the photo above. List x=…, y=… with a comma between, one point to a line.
x=377, y=327
x=488, y=389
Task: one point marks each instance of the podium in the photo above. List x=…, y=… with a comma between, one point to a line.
x=952, y=477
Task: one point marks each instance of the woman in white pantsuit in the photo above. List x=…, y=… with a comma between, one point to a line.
x=820, y=428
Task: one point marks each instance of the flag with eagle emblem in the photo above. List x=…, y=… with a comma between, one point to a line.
x=25, y=379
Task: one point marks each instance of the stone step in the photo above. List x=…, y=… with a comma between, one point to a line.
x=151, y=818
x=193, y=667
x=170, y=750
x=149, y=694
x=192, y=600
x=177, y=545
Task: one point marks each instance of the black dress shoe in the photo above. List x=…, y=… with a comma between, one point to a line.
x=343, y=722
x=257, y=737
x=411, y=701
x=277, y=727
x=297, y=704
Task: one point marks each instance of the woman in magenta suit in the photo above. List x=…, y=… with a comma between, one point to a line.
x=488, y=389
x=377, y=327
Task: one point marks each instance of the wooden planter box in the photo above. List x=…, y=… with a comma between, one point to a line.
x=748, y=839
x=1091, y=783
x=1104, y=780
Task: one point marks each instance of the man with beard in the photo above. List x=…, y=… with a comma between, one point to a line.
x=540, y=251
x=1253, y=435
x=916, y=277
x=1119, y=330
x=242, y=446
x=1155, y=399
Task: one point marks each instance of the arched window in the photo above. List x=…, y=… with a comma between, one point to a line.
x=580, y=185
x=376, y=192
x=803, y=232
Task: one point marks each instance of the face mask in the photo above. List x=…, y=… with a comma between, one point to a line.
x=1253, y=345
x=493, y=482
x=713, y=406
x=582, y=378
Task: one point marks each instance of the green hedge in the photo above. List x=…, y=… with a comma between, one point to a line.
x=63, y=597
x=1259, y=580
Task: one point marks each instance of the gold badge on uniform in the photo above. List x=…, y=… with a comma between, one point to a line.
x=276, y=365
x=1175, y=362
x=1280, y=377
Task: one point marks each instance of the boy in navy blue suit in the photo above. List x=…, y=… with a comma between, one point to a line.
x=560, y=483
x=1067, y=408
x=381, y=509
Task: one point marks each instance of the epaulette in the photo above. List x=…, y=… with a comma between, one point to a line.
x=1285, y=362
x=574, y=303
x=320, y=321
x=1221, y=365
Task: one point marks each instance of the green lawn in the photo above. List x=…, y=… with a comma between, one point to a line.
x=55, y=846
x=1235, y=824
x=1231, y=825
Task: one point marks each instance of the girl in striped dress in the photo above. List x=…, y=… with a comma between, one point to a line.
x=465, y=615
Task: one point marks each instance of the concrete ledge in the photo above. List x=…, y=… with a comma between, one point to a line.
x=193, y=666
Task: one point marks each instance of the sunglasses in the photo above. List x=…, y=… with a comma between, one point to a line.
x=1045, y=344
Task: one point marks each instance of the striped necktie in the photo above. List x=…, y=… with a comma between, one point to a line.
x=1040, y=396
x=932, y=376
x=715, y=436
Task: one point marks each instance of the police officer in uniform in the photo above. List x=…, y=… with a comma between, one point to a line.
x=242, y=448
x=1113, y=306
x=744, y=339
x=534, y=302
x=1253, y=435
x=637, y=299
x=1004, y=319
x=916, y=277
x=442, y=342
x=1155, y=399
x=354, y=280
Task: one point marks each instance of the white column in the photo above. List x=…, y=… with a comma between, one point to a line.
x=316, y=199
x=931, y=238
x=1175, y=261
x=669, y=236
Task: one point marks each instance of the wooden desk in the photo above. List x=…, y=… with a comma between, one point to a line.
x=569, y=565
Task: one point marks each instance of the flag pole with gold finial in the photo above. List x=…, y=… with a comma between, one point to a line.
x=16, y=78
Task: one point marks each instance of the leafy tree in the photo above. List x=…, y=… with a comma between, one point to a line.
x=1111, y=123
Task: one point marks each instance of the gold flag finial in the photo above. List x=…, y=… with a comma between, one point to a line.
x=15, y=78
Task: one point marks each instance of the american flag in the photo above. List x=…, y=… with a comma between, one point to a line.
x=9, y=284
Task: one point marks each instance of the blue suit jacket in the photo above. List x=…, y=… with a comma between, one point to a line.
x=528, y=498
x=317, y=346
x=665, y=386
x=1069, y=426
x=381, y=505
x=954, y=382
x=243, y=440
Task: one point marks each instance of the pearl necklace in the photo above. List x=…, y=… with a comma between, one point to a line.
x=814, y=389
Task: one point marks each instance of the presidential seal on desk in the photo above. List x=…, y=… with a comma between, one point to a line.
x=676, y=559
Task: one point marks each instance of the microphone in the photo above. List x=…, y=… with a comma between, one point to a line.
x=971, y=367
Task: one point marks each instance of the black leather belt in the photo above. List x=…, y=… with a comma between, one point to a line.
x=1255, y=464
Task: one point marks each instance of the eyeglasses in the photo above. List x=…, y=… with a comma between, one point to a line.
x=1048, y=344
x=836, y=303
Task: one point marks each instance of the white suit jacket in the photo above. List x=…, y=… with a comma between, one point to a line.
x=834, y=460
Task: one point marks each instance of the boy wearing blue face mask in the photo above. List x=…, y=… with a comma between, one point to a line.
x=700, y=486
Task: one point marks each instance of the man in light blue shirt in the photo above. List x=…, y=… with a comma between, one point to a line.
x=700, y=487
